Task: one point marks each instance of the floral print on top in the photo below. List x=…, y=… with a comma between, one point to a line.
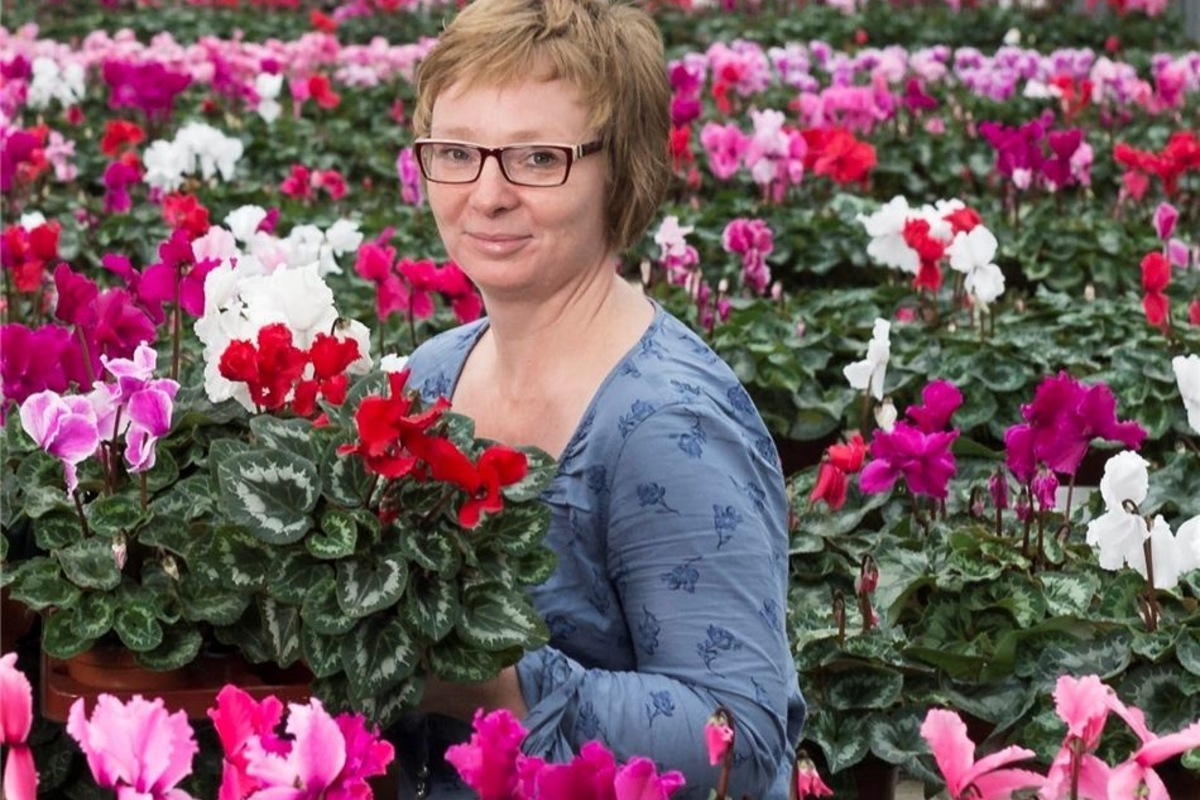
x=669, y=519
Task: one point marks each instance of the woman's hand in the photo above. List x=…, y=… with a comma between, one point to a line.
x=460, y=700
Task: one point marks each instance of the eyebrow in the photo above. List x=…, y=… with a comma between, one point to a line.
x=468, y=135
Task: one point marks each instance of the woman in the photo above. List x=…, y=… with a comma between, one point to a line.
x=542, y=130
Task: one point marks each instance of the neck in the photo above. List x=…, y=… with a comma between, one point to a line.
x=533, y=340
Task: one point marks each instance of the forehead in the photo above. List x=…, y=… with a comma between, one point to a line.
x=526, y=111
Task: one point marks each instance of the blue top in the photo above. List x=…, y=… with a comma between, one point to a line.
x=669, y=518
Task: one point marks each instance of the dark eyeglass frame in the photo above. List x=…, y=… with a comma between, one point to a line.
x=573, y=153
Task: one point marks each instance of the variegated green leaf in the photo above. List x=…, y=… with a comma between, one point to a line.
x=321, y=611
x=43, y=485
x=373, y=383
x=138, y=627
x=430, y=549
x=386, y=709
x=292, y=572
x=430, y=605
x=541, y=470
x=57, y=529
x=91, y=564
x=271, y=493
x=58, y=635
x=289, y=435
x=1069, y=594
x=336, y=537
x=190, y=498
x=345, y=478
x=41, y=585
x=180, y=646
x=1158, y=692
x=230, y=557
x=519, y=529
x=844, y=738
x=220, y=450
x=166, y=532
x=212, y=604
x=164, y=473
x=370, y=584
x=457, y=662
x=377, y=655
x=1106, y=656
x=1153, y=646
x=864, y=687
x=536, y=566
x=493, y=619
x=1187, y=650
x=322, y=654
x=93, y=615
x=281, y=629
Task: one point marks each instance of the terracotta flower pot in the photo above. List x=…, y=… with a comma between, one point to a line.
x=114, y=669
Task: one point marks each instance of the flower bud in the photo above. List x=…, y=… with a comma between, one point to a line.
x=885, y=415
x=1089, y=293
x=169, y=566
x=718, y=735
x=120, y=550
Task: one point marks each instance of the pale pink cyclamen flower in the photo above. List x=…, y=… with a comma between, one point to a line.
x=136, y=748
x=16, y=718
x=966, y=778
x=725, y=145
x=65, y=427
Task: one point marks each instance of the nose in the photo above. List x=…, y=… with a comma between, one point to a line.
x=492, y=193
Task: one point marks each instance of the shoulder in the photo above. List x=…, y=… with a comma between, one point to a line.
x=673, y=378
x=435, y=365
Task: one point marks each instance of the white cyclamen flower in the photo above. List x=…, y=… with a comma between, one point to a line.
x=1187, y=375
x=869, y=373
x=243, y=221
x=393, y=363
x=1120, y=533
x=973, y=255
x=166, y=164
x=886, y=229
x=209, y=150
x=267, y=87
x=670, y=237
x=341, y=237
x=52, y=82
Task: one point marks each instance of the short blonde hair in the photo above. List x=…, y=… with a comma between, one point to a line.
x=610, y=52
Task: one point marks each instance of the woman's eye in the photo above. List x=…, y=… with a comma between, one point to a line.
x=544, y=158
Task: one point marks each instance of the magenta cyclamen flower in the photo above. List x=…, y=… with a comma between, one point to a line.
x=488, y=763
x=1060, y=424
x=939, y=400
x=236, y=718
x=136, y=748
x=35, y=361
x=923, y=459
x=150, y=87
x=65, y=427
x=177, y=265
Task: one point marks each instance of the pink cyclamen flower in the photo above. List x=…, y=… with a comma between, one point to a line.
x=149, y=412
x=966, y=778
x=923, y=459
x=65, y=427
x=16, y=718
x=488, y=763
x=718, y=736
x=136, y=748
x=1165, y=217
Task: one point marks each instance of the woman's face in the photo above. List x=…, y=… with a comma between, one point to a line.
x=520, y=241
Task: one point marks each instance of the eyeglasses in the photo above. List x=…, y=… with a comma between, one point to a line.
x=444, y=161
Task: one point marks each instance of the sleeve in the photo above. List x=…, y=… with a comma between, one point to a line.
x=697, y=552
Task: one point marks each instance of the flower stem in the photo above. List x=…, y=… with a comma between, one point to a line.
x=1152, y=604
x=176, y=324
x=144, y=490
x=79, y=510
